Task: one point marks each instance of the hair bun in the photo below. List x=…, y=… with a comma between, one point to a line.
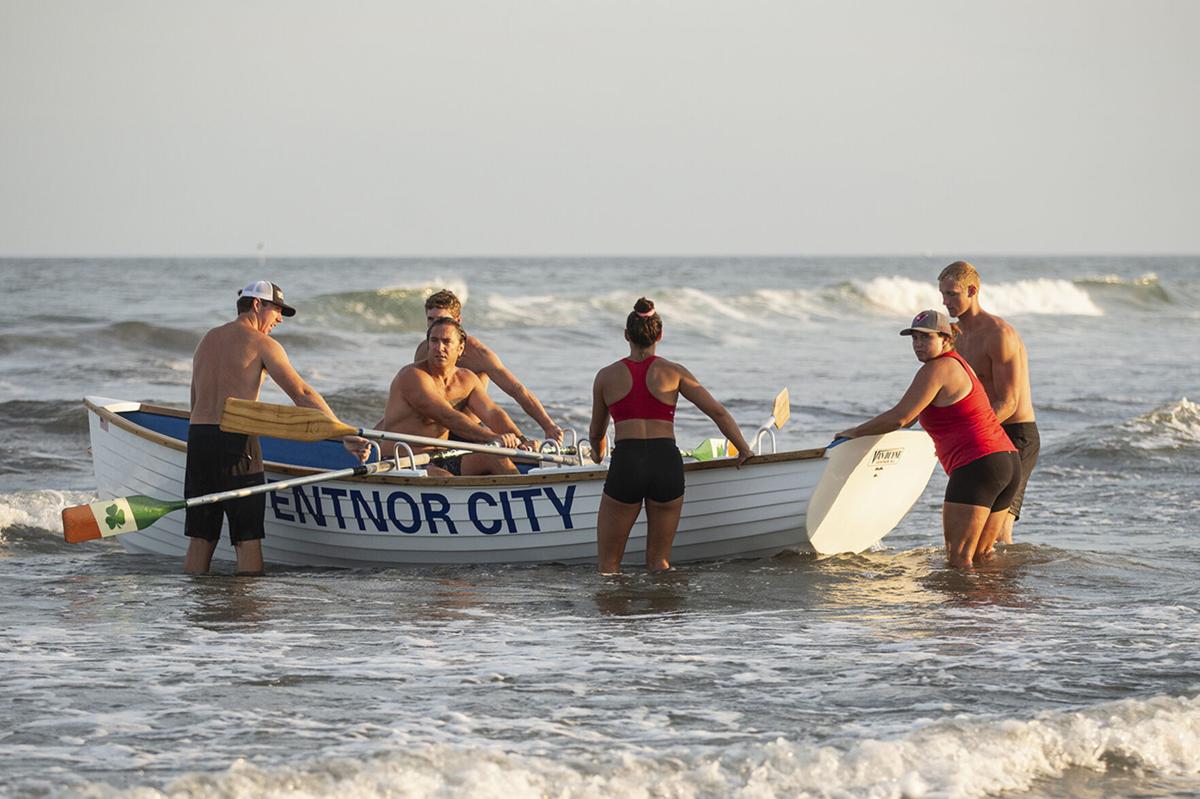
x=643, y=305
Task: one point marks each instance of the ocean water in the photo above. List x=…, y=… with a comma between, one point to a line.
x=1069, y=667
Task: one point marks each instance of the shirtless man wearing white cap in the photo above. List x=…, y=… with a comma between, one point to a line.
x=230, y=361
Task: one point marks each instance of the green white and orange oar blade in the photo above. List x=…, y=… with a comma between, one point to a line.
x=711, y=449
x=125, y=515
x=114, y=516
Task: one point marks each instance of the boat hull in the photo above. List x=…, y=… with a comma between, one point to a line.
x=545, y=516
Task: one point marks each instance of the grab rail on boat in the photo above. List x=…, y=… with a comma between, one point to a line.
x=765, y=430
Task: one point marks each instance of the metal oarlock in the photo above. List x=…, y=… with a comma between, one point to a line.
x=552, y=447
x=758, y=437
x=412, y=461
x=398, y=468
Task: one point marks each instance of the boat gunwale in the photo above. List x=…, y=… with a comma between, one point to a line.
x=485, y=480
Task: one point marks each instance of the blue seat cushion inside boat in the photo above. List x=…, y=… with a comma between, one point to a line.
x=313, y=454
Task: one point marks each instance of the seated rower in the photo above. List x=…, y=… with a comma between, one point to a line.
x=486, y=364
x=436, y=398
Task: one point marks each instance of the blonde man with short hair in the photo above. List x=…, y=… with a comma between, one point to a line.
x=995, y=351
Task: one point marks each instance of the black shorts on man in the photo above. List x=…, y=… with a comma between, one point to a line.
x=1024, y=436
x=220, y=461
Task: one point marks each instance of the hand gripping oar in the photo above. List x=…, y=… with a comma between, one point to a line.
x=309, y=424
x=125, y=514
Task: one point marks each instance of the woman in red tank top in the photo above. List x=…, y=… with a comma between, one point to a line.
x=639, y=394
x=953, y=408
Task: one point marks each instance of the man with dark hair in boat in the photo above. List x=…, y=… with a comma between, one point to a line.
x=994, y=350
x=230, y=361
x=436, y=398
x=486, y=365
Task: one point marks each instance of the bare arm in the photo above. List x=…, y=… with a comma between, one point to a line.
x=418, y=389
x=598, y=428
x=480, y=404
x=699, y=396
x=1006, y=365
x=276, y=362
x=920, y=394
x=507, y=382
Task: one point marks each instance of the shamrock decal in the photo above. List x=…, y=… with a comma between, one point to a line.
x=114, y=516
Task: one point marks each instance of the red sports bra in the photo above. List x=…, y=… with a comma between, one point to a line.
x=639, y=403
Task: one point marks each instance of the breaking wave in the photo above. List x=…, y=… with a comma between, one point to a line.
x=392, y=309
x=954, y=757
x=67, y=417
x=140, y=335
x=37, y=511
x=1158, y=435
x=1145, y=291
x=904, y=296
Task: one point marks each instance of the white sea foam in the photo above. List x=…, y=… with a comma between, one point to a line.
x=905, y=296
x=958, y=757
x=39, y=510
x=1170, y=426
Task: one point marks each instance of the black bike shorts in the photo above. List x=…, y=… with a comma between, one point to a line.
x=645, y=468
x=988, y=482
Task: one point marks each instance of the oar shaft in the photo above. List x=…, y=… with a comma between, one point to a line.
x=239, y=493
x=469, y=446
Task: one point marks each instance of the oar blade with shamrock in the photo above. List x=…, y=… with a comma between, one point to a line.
x=113, y=516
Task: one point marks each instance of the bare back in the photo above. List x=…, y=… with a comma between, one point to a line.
x=229, y=362
x=997, y=354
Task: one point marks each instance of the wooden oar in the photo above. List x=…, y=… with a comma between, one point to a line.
x=781, y=411
x=309, y=424
x=110, y=517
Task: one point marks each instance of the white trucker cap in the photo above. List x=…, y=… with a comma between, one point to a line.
x=266, y=290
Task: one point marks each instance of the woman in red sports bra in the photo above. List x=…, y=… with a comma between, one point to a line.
x=954, y=410
x=639, y=393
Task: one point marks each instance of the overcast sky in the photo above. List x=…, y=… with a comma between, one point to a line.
x=598, y=127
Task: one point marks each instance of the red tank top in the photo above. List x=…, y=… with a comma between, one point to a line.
x=968, y=429
x=639, y=403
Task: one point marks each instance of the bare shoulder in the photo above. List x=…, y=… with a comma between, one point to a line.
x=474, y=343
x=479, y=354
x=1000, y=335
x=409, y=375
x=674, y=368
x=464, y=376
x=606, y=373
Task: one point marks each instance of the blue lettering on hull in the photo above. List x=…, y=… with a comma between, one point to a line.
x=424, y=512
